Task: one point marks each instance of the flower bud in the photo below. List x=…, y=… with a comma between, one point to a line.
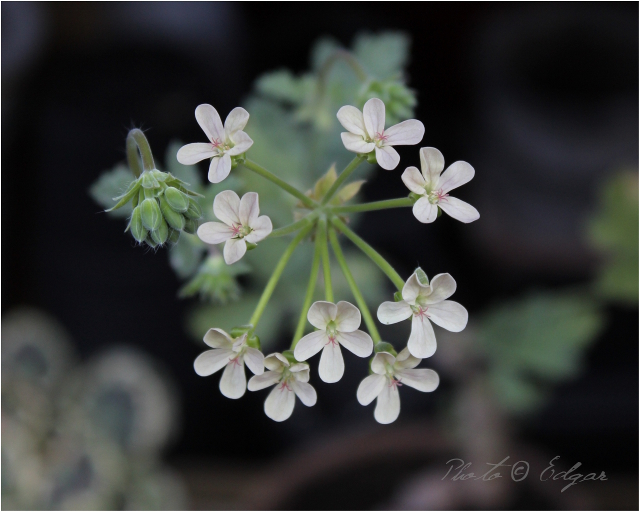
x=174, y=236
x=148, y=180
x=190, y=226
x=176, y=199
x=194, y=211
x=173, y=218
x=161, y=234
x=138, y=231
x=150, y=213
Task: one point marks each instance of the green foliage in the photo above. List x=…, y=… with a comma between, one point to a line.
x=534, y=342
x=112, y=184
x=614, y=231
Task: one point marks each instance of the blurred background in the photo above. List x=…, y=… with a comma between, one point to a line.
x=101, y=407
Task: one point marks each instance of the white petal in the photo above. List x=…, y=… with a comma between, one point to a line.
x=194, y=153
x=370, y=388
x=358, y=342
x=393, y=312
x=457, y=174
x=449, y=315
x=424, y=211
x=421, y=379
x=432, y=163
x=261, y=228
x=235, y=121
x=310, y=345
x=219, y=168
x=412, y=288
x=373, y=114
x=301, y=374
x=422, y=341
x=414, y=181
x=352, y=120
x=258, y=382
x=233, y=383
x=331, y=367
x=356, y=143
x=234, y=250
x=304, y=392
x=321, y=313
x=279, y=404
x=249, y=208
x=380, y=362
x=214, y=232
x=240, y=342
x=209, y=120
x=254, y=359
x=405, y=133
x=443, y=286
x=406, y=360
x=275, y=362
x=226, y=206
x=348, y=317
x=211, y=361
x=388, y=404
x=241, y=143
x=217, y=338
x=387, y=157
x=459, y=210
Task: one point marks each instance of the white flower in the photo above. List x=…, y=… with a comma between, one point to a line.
x=425, y=302
x=366, y=132
x=290, y=380
x=337, y=326
x=388, y=373
x=224, y=142
x=232, y=353
x=240, y=224
x=434, y=188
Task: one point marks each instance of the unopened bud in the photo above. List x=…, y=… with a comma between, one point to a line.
x=174, y=236
x=194, y=211
x=176, y=199
x=173, y=218
x=148, y=180
x=190, y=226
x=150, y=213
x=138, y=231
x=161, y=234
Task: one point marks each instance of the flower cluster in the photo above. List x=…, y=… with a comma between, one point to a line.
x=336, y=324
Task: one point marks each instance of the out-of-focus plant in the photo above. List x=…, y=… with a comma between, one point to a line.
x=82, y=436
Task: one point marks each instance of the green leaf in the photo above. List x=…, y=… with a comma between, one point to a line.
x=185, y=256
x=385, y=54
x=283, y=86
x=112, y=184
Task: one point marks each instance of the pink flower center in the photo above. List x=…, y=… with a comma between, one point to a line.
x=381, y=137
x=332, y=340
x=394, y=383
x=216, y=143
x=436, y=196
x=236, y=360
x=421, y=313
x=284, y=384
x=236, y=230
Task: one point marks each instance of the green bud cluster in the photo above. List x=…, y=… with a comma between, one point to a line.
x=399, y=100
x=215, y=281
x=163, y=206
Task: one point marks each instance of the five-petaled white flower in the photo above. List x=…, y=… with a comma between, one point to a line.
x=241, y=224
x=388, y=373
x=366, y=132
x=434, y=188
x=232, y=353
x=290, y=380
x=425, y=302
x=224, y=142
x=337, y=326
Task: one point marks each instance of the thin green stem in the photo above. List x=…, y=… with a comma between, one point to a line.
x=376, y=205
x=307, y=201
x=353, y=165
x=136, y=141
x=364, y=309
x=326, y=263
x=294, y=226
x=371, y=252
x=313, y=280
x=273, y=280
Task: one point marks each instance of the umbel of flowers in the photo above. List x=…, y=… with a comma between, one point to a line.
x=336, y=324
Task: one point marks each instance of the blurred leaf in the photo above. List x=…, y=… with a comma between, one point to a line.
x=187, y=173
x=385, y=54
x=614, y=231
x=284, y=86
x=185, y=256
x=112, y=184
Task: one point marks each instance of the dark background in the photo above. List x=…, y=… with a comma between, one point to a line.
x=541, y=98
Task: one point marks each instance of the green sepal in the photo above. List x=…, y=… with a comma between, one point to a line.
x=174, y=219
x=138, y=231
x=237, y=160
x=371, y=158
x=254, y=342
x=290, y=357
x=150, y=193
x=159, y=175
x=174, y=236
x=151, y=243
x=439, y=212
x=383, y=346
x=194, y=211
x=250, y=246
x=161, y=234
x=124, y=199
x=414, y=197
x=190, y=226
x=148, y=180
x=178, y=201
x=150, y=214
x=236, y=332
x=422, y=277
x=397, y=297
